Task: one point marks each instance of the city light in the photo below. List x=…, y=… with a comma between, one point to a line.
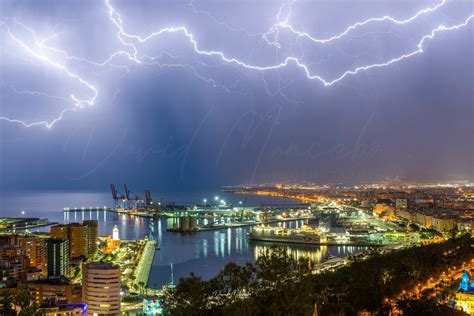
x=323, y=123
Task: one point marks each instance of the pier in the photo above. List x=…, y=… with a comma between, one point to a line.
x=134, y=212
x=195, y=220
x=142, y=272
x=177, y=211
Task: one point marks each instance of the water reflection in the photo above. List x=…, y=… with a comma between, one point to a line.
x=204, y=253
x=204, y=245
x=314, y=253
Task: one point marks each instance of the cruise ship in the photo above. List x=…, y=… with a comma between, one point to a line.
x=303, y=235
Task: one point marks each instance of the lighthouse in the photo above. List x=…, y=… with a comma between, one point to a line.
x=115, y=233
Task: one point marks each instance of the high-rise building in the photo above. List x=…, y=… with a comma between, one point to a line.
x=37, y=253
x=78, y=242
x=76, y=234
x=13, y=264
x=60, y=231
x=33, y=247
x=92, y=235
x=55, y=289
x=58, y=257
x=101, y=288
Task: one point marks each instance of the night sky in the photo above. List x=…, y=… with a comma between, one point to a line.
x=174, y=119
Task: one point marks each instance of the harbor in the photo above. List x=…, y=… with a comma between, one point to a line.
x=144, y=243
x=193, y=218
x=212, y=236
x=217, y=234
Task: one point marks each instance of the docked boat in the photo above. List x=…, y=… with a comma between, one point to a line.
x=304, y=235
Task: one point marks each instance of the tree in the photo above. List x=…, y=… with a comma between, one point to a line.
x=426, y=308
x=135, y=287
x=24, y=300
x=7, y=303
x=234, y=277
x=142, y=287
x=125, y=287
x=189, y=297
x=453, y=232
x=278, y=284
x=77, y=272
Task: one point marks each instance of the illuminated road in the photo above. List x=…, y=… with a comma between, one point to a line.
x=434, y=286
x=144, y=265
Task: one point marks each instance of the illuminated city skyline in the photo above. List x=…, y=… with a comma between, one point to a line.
x=278, y=157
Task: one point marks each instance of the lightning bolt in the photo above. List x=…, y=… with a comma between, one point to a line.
x=221, y=23
x=117, y=20
x=284, y=24
x=44, y=94
x=40, y=55
x=131, y=51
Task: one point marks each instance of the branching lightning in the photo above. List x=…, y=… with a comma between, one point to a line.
x=131, y=47
x=117, y=20
x=40, y=55
x=284, y=24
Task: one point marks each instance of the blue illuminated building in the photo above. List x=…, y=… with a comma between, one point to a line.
x=465, y=295
x=464, y=285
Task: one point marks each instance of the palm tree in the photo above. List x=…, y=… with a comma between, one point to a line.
x=142, y=287
x=135, y=287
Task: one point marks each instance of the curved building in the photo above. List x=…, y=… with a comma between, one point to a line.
x=101, y=288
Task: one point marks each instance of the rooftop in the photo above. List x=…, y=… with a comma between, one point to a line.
x=102, y=265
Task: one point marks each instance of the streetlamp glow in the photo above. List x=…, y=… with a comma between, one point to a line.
x=205, y=201
x=222, y=202
x=216, y=198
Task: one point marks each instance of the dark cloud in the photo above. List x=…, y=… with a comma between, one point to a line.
x=194, y=122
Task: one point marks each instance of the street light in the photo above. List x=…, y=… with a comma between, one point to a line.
x=216, y=198
x=222, y=202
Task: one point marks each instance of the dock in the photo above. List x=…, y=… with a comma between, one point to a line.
x=138, y=213
x=175, y=213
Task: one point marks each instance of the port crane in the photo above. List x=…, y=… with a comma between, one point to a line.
x=148, y=198
x=116, y=195
x=131, y=196
x=130, y=199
